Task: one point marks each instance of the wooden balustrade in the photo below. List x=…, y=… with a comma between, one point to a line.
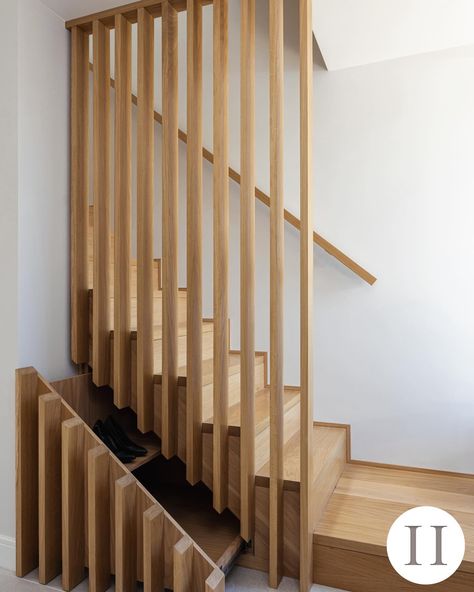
x=221, y=254
x=169, y=382
x=169, y=555
x=145, y=201
x=194, y=244
x=247, y=269
x=101, y=180
x=277, y=263
x=122, y=210
x=79, y=195
x=306, y=295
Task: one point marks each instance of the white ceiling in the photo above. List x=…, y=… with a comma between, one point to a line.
x=356, y=32
x=69, y=9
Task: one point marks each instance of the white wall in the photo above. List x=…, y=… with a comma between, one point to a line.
x=43, y=190
x=34, y=218
x=8, y=267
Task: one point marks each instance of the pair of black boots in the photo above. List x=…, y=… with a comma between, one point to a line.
x=113, y=436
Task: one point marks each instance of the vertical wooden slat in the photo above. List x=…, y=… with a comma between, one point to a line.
x=26, y=471
x=277, y=256
x=73, y=519
x=183, y=565
x=145, y=192
x=79, y=195
x=306, y=294
x=153, y=549
x=101, y=165
x=122, y=210
x=194, y=244
x=49, y=486
x=247, y=268
x=98, y=518
x=215, y=582
x=221, y=254
x=125, y=534
x=170, y=229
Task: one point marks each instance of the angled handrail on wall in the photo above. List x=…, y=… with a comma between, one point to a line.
x=265, y=199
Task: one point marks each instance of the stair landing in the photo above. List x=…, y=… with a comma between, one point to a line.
x=350, y=539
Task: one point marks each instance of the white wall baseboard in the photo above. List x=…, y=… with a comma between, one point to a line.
x=7, y=553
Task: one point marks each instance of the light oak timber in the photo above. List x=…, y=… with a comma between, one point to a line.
x=183, y=553
x=73, y=518
x=122, y=209
x=215, y=582
x=221, y=252
x=49, y=486
x=79, y=194
x=145, y=191
x=130, y=11
x=26, y=498
x=277, y=261
x=170, y=229
x=76, y=507
x=247, y=268
x=153, y=549
x=98, y=518
x=101, y=166
x=306, y=296
x=144, y=502
x=194, y=242
x=361, y=572
x=125, y=534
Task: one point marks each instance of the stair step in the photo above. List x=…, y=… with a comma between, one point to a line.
x=328, y=443
x=367, y=499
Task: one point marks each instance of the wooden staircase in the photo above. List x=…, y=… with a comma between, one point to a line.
x=237, y=469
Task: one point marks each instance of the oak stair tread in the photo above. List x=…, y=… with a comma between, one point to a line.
x=367, y=499
x=325, y=441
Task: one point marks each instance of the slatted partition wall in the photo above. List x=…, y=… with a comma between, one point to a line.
x=164, y=400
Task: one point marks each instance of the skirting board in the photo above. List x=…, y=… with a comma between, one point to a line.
x=7, y=553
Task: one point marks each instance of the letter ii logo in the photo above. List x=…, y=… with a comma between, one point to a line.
x=425, y=545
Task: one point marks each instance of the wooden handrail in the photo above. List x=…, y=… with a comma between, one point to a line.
x=265, y=199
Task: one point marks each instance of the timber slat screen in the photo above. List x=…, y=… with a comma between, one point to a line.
x=168, y=551
x=145, y=208
x=306, y=295
x=277, y=262
x=221, y=253
x=101, y=180
x=122, y=210
x=170, y=229
x=194, y=244
x=247, y=269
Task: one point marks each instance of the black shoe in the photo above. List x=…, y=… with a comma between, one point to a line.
x=123, y=455
x=123, y=441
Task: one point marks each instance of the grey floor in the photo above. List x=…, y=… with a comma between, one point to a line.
x=239, y=579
